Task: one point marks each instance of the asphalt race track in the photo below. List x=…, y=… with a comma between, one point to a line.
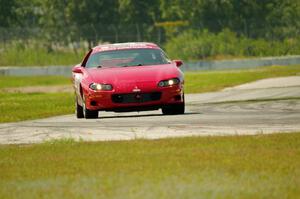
x=266, y=106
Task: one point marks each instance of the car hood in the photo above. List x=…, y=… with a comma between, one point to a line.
x=124, y=78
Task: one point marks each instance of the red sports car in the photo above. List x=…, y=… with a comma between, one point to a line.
x=128, y=77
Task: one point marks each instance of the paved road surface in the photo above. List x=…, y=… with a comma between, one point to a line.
x=271, y=107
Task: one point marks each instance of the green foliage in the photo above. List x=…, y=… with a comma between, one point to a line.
x=195, y=45
x=66, y=21
x=219, y=27
x=8, y=14
x=254, y=19
x=18, y=54
x=133, y=11
x=260, y=166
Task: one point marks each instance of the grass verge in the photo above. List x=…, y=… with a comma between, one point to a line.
x=198, y=82
x=38, y=57
x=16, y=81
x=261, y=166
x=20, y=106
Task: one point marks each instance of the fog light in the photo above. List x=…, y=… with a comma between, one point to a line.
x=93, y=103
x=177, y=98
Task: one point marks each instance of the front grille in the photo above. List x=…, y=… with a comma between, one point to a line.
x=136, y=97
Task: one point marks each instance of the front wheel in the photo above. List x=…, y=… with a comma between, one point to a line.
x=88, y=114
x=78, y=110
x=174, y=109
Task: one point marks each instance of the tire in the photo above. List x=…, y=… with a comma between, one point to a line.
x=176, y=109
x=78, y=110
x=88, y=114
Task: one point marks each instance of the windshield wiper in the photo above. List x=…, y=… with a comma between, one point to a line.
x=132, y=65
x=137, y=65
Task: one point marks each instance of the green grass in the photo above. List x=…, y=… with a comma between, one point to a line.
x=20, y=106
x=25, y=106
x=14, y=81
x=261, y=166
x=207, y=81
x=17, y=107
x=196, y=82
x=38, y=57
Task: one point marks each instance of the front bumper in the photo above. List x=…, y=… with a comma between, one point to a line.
x=147, y=99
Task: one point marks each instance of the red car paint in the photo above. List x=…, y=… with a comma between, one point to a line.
x=134, y=88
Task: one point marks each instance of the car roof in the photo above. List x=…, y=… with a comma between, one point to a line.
x=124, y=46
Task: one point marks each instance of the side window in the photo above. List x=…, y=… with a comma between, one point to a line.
x=164, y=57
x=86, y=58
x=93, y=61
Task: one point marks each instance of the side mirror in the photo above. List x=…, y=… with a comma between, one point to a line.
x=178, y=63
x=77, y=69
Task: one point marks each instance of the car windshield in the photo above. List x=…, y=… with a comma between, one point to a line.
x=128, y=57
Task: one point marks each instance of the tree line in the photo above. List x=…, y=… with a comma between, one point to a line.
x=91, y=21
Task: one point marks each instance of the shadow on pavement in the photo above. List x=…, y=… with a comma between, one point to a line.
x=144, y=115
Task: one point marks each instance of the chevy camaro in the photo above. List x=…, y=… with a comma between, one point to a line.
x=128, y=77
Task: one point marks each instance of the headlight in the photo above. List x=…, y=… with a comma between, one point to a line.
x=101, y=87
x=169, y=82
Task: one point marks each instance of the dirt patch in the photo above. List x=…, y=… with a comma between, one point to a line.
x=40, y=89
